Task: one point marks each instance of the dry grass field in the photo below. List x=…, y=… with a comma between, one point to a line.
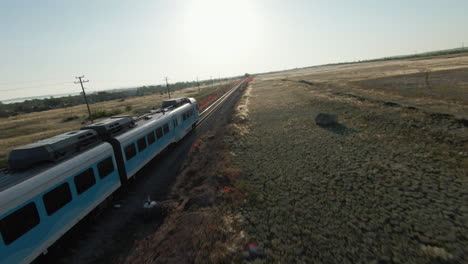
x=388, y=184
x=397, y=80
x=27, y=128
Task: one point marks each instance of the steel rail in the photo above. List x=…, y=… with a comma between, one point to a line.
x=215, y=105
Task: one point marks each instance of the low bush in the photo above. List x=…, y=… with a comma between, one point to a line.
x=105, y=113
x=70, y=118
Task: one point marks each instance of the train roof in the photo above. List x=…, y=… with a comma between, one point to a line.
x=160, y=115
x=175, y=102
x=123, y=127
x=19, y=186
x=52, y=149
x=113, y=126
x=10, y=178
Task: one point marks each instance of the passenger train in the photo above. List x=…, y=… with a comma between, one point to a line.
x=52, y=184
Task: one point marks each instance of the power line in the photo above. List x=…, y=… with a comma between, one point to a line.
x=81, y=81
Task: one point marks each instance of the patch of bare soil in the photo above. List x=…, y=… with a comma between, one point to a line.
x=429, y=89
x=402, y=81
x=448, y=84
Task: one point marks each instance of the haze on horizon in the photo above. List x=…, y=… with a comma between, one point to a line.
x=45, y=44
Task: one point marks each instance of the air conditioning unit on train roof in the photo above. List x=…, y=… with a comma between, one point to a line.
x=52, y=149
x=112, y=126
x=174, y=103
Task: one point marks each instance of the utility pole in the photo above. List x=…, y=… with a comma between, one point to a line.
x=212, y=84
x=198, y=84
x=167, y=87
x=81, y=81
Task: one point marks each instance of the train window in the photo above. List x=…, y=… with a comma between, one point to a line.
x=151, y=138
x=159, y=133
x=184, y=117
x=105, y=167
x=57, y=198
x=84, y=180
x=19, y=223
x=141, y=144
x=175, y=122
x=166, y=128
x=130, y=151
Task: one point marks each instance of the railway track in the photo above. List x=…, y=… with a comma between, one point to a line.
x=213, y=106
x=216, y=104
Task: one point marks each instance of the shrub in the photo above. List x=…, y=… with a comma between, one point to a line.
x=105, y=113
x=70, y=118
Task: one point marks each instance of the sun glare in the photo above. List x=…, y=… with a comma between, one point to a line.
x=215, y=26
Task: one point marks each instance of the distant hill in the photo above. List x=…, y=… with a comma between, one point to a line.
x=397, y=57
x=40, y=97
x=425, y=54
x=22, y=99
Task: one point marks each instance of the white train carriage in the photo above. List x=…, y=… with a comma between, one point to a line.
x=54, y=183
x=39, y=204
x=136, y=142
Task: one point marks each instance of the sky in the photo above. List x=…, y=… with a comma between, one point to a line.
x=45, y=44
